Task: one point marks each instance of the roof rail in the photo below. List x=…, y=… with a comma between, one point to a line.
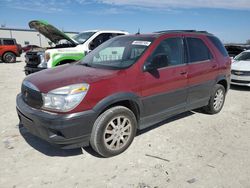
x=179, y=31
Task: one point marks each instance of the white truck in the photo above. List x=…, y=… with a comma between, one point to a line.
x=67, y=49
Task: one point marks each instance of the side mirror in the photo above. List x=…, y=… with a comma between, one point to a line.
x=159, y=61
x=148, y=66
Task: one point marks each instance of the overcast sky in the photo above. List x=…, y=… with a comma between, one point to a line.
x=228, y=19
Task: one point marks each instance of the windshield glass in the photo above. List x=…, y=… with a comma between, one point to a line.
x=118, y=53
x=244, y=56
x=82, y=37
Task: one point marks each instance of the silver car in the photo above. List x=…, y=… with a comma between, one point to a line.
x=241, y=69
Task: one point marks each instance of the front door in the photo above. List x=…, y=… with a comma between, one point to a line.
x=164, y=89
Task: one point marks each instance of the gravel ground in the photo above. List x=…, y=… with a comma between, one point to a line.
x=189, y=150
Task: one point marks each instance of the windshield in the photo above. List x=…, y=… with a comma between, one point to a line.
x=244, y=56
x=118, y=53
x=82, y=37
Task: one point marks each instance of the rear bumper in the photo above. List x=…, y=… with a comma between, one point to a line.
x=66, y=131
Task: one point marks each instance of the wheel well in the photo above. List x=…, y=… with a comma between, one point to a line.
x=128, y=104
x=224, y=84
x=10, y=52
x=65, y=62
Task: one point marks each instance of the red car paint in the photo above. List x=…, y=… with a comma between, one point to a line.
x=192, y=71
x=104, y=82
x=16, y=49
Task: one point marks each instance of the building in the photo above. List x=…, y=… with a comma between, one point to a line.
x=27, y=36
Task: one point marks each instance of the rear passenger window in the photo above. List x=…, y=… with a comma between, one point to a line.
x=197, y=50
x=8, y=42
x=218, y=45
x=173, y=49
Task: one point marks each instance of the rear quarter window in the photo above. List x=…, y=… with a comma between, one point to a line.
x=197, y=50
x=218, y=45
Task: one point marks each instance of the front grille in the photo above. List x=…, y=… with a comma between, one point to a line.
x=32, y=97
x=240, y=73
x=32, y=59
x=240, y=81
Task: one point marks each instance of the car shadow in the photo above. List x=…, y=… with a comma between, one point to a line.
x=239, y=88
x=52, y=151
x=46, y=148
x=169, y=120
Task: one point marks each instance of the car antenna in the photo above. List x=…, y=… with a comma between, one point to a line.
x=138, y=32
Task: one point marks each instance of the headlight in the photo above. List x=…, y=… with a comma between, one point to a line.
x=65, y=98
x=43, y=63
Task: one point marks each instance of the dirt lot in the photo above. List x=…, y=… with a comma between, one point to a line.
x=190, y=150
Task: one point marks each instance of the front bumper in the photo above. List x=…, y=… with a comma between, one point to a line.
x=64, y=130
x=240, y=80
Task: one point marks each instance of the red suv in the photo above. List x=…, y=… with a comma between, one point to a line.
x=9, y=50
x=126, y=84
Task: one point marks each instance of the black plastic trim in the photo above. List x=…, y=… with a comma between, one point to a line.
x=64, y=130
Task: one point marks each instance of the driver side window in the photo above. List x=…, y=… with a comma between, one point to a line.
x=100, y=39
x=168, y=53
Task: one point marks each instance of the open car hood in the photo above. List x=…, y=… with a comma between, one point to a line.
x=50, y=32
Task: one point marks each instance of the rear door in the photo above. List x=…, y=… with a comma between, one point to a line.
x=201, y=68
x=164, y=90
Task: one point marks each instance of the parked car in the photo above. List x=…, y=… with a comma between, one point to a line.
x=241, y=69
x=67, y=49
x=126, y=84
x=9, y=50
x=30, y=47
x=234, y=50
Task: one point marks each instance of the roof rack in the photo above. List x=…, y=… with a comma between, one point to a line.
x=179, y=31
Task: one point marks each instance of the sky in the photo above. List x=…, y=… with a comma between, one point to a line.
x=227, y=19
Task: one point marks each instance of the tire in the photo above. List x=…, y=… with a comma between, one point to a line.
x=113, y=131
x=216, y=101
x=9, y=57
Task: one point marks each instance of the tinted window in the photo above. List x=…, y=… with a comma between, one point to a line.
x=102, y=38
x=198, y=51
x=218, y=45
x=117, y=34
x=8, y=42
x=173, y=49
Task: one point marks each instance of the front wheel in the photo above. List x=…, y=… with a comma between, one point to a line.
x=113, y=131
x=217, y=100
x=9, y=57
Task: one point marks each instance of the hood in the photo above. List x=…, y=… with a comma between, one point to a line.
x=50, y=32
x=64, y=75
x=241, y=65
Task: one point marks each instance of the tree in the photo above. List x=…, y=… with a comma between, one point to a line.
x=248, y=41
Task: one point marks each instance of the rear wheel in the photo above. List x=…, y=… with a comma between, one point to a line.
x=217, y=100
x=9, y=57
x=113, y=131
